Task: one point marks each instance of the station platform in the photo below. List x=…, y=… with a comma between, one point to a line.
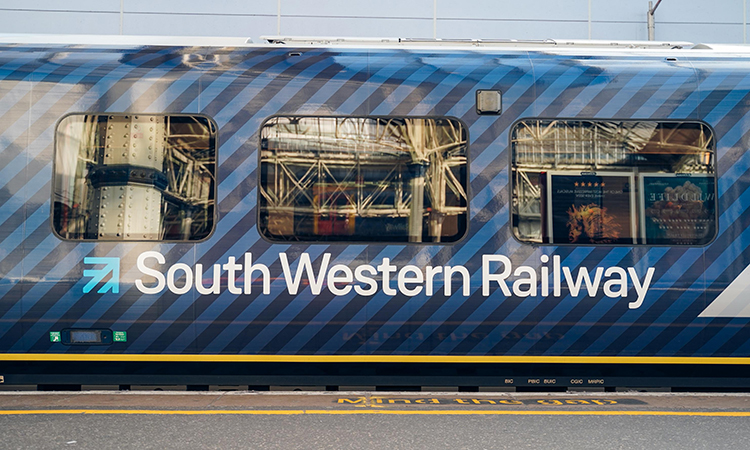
x=357, y=419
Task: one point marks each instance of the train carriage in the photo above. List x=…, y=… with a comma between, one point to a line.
x=373, y=212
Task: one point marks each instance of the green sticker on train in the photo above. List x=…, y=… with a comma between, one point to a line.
x=54, y=336
x=120, y=336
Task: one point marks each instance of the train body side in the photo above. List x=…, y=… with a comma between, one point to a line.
x=42, y=277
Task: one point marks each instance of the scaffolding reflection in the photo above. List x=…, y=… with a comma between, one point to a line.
x=134, y=177
x=363, y=179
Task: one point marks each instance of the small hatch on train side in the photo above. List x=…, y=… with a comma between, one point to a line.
x=489, y=101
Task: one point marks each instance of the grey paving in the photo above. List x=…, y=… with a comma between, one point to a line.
x=321, y=420
x=372, y=432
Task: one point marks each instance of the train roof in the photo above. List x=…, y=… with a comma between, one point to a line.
x=481, y=43
x=547, y=45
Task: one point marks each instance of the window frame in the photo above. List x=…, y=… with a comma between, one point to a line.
x=467, y=186
x=511, y=182
x=215, y=215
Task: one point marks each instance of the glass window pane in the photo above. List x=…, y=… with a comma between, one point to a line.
x=613, y=182
x=366, y=179
x=134, y=177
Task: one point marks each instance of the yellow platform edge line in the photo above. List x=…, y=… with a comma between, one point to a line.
x=372, y=359
x=370, y=411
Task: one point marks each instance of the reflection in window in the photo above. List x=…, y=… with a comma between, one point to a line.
x=613, y=182
x=134, y=177
x=363, y=179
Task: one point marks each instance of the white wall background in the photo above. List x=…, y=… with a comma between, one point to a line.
x=719, y=21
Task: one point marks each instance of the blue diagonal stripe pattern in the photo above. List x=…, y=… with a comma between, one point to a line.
x=42, y=282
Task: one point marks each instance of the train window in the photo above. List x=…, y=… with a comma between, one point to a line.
x=363, y=179
x=602, y=182
x=137, y=177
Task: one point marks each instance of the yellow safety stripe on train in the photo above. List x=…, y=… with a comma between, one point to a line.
x=372, y=359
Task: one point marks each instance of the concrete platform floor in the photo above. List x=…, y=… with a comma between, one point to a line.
x=241, y=419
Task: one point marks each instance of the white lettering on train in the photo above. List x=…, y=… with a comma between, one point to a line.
x=526, y=280
x=497, y=272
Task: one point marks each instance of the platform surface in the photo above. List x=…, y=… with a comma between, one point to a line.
x=363, y=420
